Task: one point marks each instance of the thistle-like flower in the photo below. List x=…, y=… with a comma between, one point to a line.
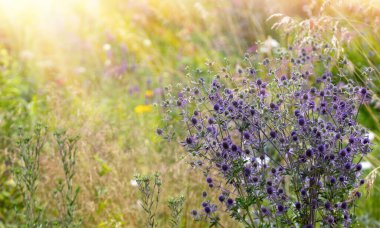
x=282, y=145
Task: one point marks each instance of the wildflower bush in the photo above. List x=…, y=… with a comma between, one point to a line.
x=26, y=168
x=279, y=140
x=150, y=189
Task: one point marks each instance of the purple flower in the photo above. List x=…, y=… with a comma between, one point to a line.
x=230, y=202
x=189, y=140
x=273, y=134
x=297, y=205
x=280, y=208
x=270, y=190
x=301, y=121
x=271, y=142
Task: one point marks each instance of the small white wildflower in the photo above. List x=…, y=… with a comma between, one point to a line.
x=371, y=135
x=134, y=183
x=366, y=165
x=268, y=45
x=147, y=42
x=106, y=47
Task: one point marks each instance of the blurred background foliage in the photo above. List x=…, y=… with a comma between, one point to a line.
x=96, y=68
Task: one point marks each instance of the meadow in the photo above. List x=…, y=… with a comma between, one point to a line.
x=82, y=85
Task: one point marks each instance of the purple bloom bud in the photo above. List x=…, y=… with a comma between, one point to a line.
x=332, y=180
x=252, y=111
x=342, y=178
x=280, y=208
x=216, y=107
x=247, y=172
x=270, y=190
x=330, y=219
x=301, y=121
x=328, y=205
x=225, y=145
x=189, y=140
x=265, y=210
x=309, y=152
x=343, y=153
x=273, y=106
x=230, y=202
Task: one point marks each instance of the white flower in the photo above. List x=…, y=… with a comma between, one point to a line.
x=134, y=183
x=371, y=135
x=366, y=165
x=147, y=42
x=268, y=45
x=106, y=47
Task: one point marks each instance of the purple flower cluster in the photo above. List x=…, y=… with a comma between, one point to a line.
x=279, y=139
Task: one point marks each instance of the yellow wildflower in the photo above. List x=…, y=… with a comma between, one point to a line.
x=143, y=108
x=149, y=93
